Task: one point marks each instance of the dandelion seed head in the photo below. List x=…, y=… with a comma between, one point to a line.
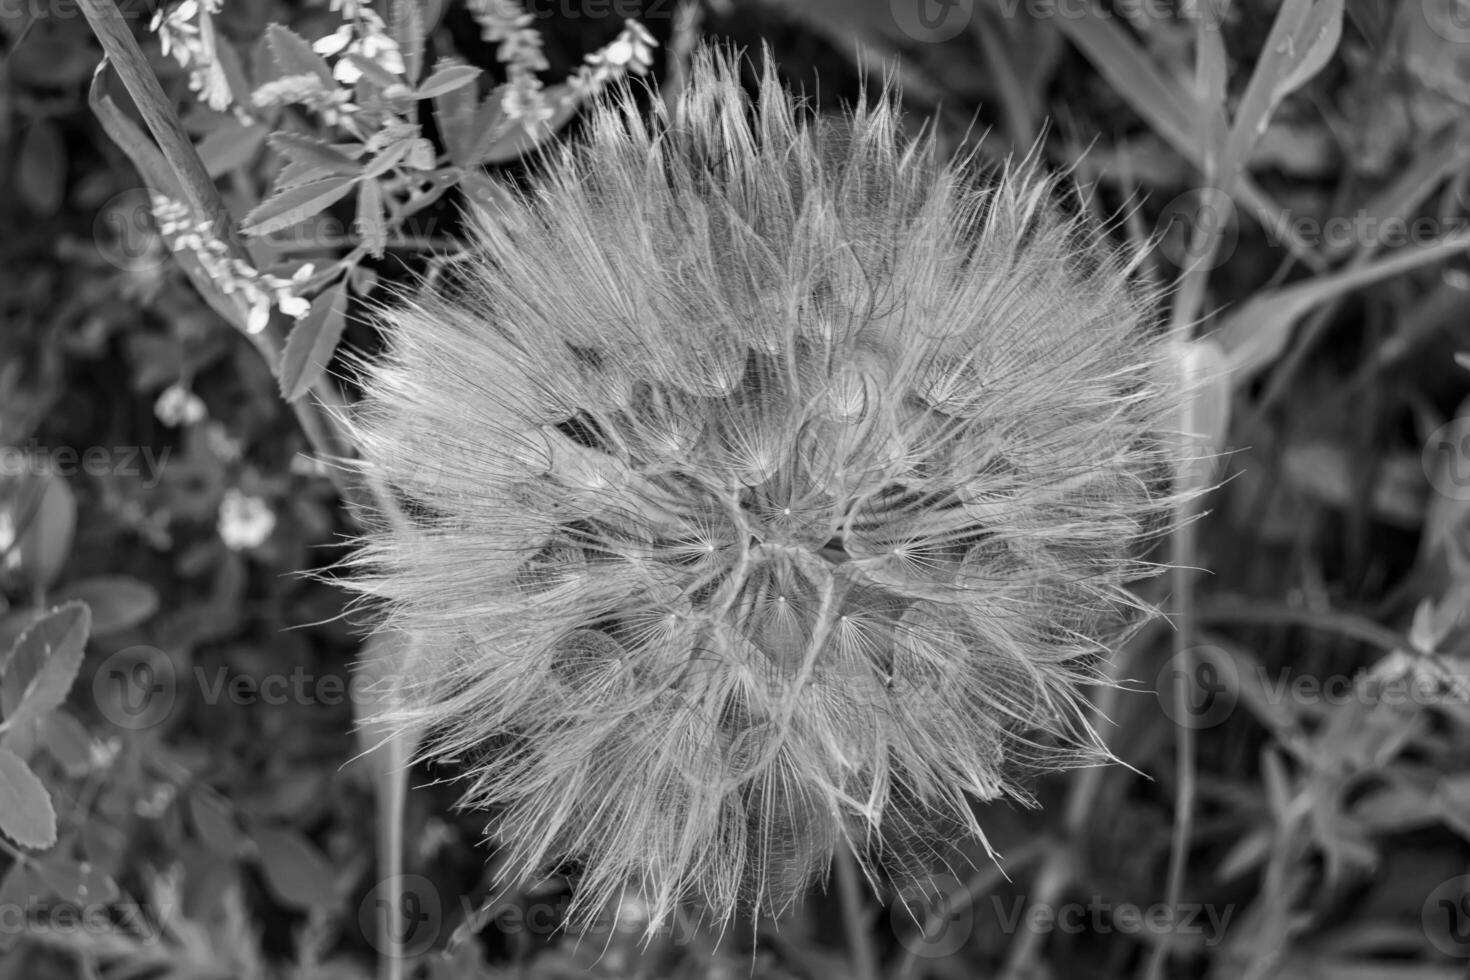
x=774, y=487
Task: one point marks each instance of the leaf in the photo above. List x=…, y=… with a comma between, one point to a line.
x=1211, y=88
x=66, y=741
x=295, y=205
x=374, y=72
x=145, y=156
x=298, y=874
x=231, y=146
x=295, y=174
x=43, y=663
x=294, y=56
x=117, y=602
x=1129, y=69
x=1303, y=38
x=408, y=30
x=46, y=515
x=1448, y=154
x=519, y=140
x=313, y=341
x=78, y=882
x=447, y=79
x=369, y=223
x=26, y=814
x=303, y=149
x=215, y=821
x=389, y=157
x=455, y=113
x=1256, y=333
x=19, y=889
x=1154, y=96
x=41, y=172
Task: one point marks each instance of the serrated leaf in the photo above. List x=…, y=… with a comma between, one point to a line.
x=313, y=341
x=230, y=146
x=369, y=224
x=117, y=602
x=518, y=140
x=44, y=662
x=298, y=874
x=447, y=79
x=455, y=114
x=374, y=72
x=303, y=149
x=295, y=174
x=294, y=55
x=26, y=814
x=293, y=206
x=408, y=30
x=389, y=158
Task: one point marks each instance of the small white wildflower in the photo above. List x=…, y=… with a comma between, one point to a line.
x=221, y=443
x=178, y=406
x=259, y=316
x=259, y=290
x=244, y=521
x=11, y=553
x=105, y=752
x=630, y=51
x=334, y=43
x=288, y=301
x=186, y=33
x=367, y=37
